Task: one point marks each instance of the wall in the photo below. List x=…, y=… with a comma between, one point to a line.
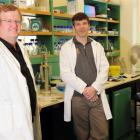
x=116, y=1
x=126, y=33
x=134, y=22
x=138, y=23
x=127, y=25
x=130, y=29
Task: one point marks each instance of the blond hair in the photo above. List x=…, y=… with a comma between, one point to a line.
x=9, y=7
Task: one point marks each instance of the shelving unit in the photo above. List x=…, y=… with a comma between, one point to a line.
x=33, y=11
x=34, y=33
x=106, y=29
x=97, y=35
x=62, y=16
x=110, y=22
x=63, y=34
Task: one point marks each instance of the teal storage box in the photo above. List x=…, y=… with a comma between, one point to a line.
x=6, y=1
x=36, y=24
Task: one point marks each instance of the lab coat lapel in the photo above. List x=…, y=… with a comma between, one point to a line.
x=36, y=125
x=28, y=63
x=73, y=55
x=6, y=52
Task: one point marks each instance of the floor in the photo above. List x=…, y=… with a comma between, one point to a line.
x=130, y=136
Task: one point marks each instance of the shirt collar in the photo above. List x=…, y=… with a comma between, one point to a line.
x=9, y=46
x=89, y=40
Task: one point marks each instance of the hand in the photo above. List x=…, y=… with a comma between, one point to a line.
x=90, y=93
x=94, y=98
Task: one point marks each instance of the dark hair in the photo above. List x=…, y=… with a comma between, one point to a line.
x=80, y=16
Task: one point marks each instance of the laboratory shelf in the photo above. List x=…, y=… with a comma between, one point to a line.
x=114, y=53
x=113, y=35
x=62, y=16
x=97, y=19
x=91, y=34
x=106, y=20
x=63, y=34
x=34, y=11
x=29, y=33
x=113, y=21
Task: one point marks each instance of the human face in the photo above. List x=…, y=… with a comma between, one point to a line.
x=10, y=23
x=81, y=28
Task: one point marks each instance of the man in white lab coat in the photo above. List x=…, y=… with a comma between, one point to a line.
x=84, y=69
x=17, y=89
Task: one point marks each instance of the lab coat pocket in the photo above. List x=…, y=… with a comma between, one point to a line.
x=5, y=116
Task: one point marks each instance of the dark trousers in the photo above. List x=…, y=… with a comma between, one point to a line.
x=89, y=119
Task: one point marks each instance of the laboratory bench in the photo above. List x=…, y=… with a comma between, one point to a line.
x=120, y=95
x=52, y=98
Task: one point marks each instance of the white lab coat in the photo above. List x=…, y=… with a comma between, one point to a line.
x=15, y=111
x=67, y=72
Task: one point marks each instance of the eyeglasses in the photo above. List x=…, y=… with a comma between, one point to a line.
x=9, y=21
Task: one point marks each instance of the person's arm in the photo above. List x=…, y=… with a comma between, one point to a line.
x=102, y=75
x=66, y=71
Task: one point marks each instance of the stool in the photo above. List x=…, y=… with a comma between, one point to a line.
x=136, y=100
